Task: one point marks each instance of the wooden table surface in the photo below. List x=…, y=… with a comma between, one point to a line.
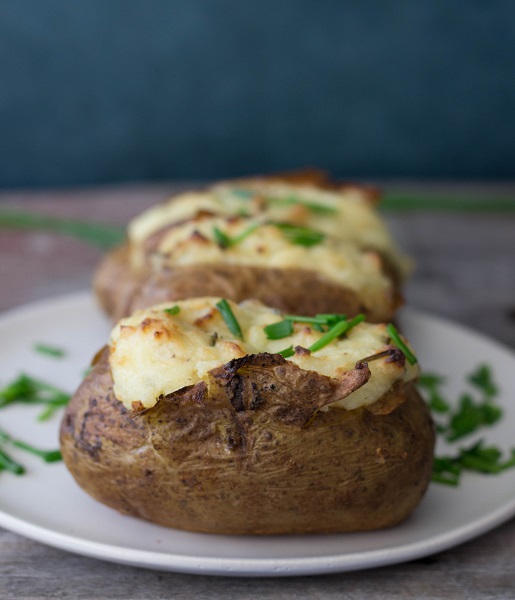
x=465, y=270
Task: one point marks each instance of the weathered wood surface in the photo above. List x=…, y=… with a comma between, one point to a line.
x=465, y=270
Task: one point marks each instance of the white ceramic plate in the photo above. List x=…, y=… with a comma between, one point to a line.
x=47, y=505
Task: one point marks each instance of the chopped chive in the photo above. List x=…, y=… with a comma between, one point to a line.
x=314, y=207
x=321, y=319
x=277, y=331
x=243, y=193
x=48, y=412
x=438, y=404
x=229, y=318
x=478, y=463
x=446, y=465
x=50, y=350
x=452, y=480
x=8, y=464
x=510, y=462
x=223, y=240
x=310, y=320
x=239, y=238
x=302, y=236
x=396, y=339
x=47, y=455
x=174, y=310
x=330, y=317
x=429, y=380
x=336, y=331
x=322, y=209
x=28, y=390
x=482, y=379
x=470, y=417
x=287, y=352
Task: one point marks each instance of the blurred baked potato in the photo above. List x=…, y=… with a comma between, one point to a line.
x=295, y=243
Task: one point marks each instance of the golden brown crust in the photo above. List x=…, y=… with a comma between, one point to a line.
x=122, y=290
x=319, y=178
x=254, y=456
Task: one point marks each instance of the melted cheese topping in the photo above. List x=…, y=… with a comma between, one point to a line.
x=269, y=247
x=153, y=353
x=345, y=214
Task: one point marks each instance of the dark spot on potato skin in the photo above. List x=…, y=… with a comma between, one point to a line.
x=90, y=444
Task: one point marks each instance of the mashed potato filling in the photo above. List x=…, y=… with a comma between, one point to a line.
x=344, y=214
x=154, y=352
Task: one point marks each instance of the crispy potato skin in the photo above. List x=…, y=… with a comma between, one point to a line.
x=253, y=457
x=120, y=290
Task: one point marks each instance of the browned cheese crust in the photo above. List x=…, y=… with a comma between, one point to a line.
x=121, y=290
x=255, y=455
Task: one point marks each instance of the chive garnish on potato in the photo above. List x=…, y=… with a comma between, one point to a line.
x=397, y=340
x=229, y=318
x=314, y=207
x=287, y=352
x=336, y=331
x=224, y=241
x=174, y=310
x=301, y=236
x=277, y=331
x=339, y=328
x=281, y=329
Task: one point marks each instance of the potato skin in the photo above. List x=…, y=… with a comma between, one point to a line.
x=240, y=462
x=121, y=290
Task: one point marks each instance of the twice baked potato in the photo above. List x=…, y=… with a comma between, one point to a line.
x=309, y=250
x=318, y=275
x=192, y=418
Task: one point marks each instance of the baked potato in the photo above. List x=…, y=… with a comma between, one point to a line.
x=293, y=245
x=193, y=418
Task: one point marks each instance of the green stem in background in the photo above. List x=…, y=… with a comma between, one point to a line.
x=105, y=236
x=413, y=202
x=101, y=235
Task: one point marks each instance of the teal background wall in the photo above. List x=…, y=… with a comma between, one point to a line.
x=111, y=90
